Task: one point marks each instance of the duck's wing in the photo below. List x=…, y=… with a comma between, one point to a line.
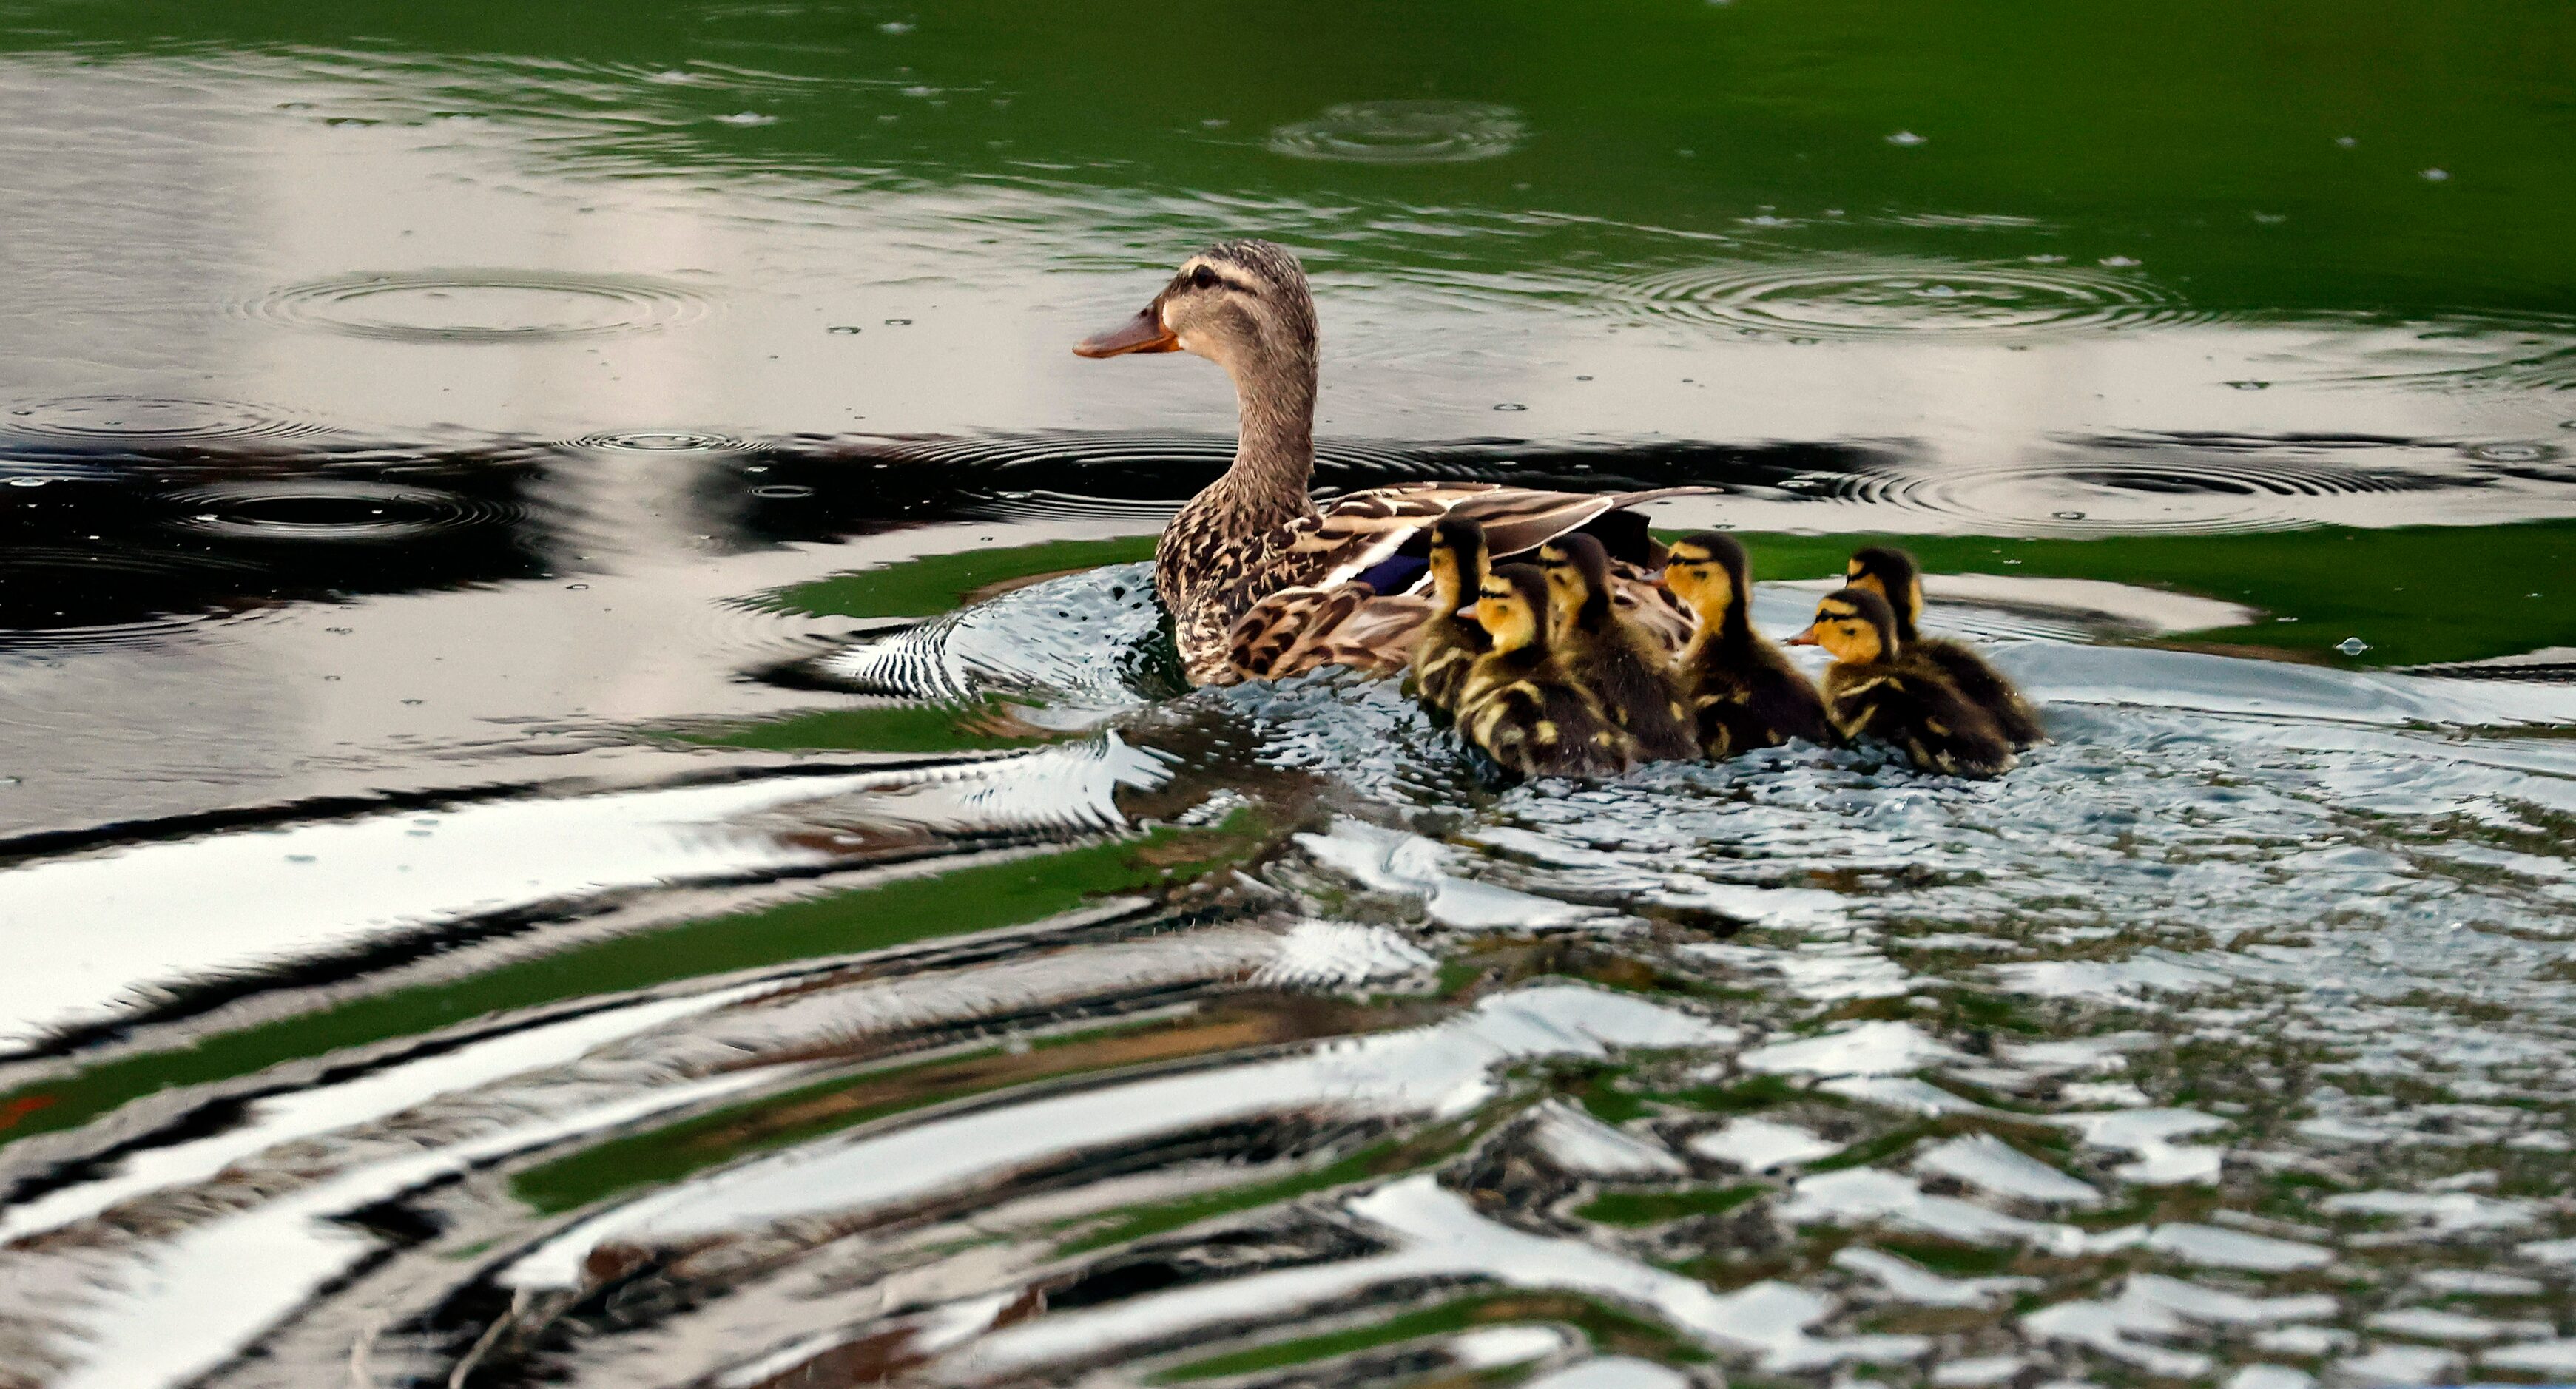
x=1348, y=624
x=1351, y=536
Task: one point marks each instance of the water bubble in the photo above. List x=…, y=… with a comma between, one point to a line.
x=1906, y=137
x=898, y=323
x=2513, y=453
x=2067, y=515
x=2352, y=646
x=1583, y=378
x=2121, y=262
x=843, y=328
x=1509, y=405
x=2435, y=175
x=894, y=26
x=2285, y=619
x=476, y=306
x=1403, y=132
x=746, y=118
x=27, y=482
x=577, y=588
x=2346, y=141
x=2250, y=385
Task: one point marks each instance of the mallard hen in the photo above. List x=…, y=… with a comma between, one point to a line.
x=1259, y=579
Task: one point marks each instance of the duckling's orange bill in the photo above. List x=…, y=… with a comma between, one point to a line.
x=1806, y=637
x=1143, y=333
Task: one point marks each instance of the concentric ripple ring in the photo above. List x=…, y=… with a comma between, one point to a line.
x=1879, y=298
x=482, y=306
x=326, y=510
x=1403, y=132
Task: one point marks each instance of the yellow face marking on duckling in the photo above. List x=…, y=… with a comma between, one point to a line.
x=1846, y=635
x=1698, y=579
x=1505, y=615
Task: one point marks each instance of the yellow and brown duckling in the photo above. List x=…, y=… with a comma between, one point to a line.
x=1874, y=689
x=1451, y=638
x=1519, y=703
x=1893, y=575
x=1607, y=653
x=1741, y=691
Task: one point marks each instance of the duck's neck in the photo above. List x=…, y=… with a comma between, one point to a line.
x=1729, y=628
x=1274, y=462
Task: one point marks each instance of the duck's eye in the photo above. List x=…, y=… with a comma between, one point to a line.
x=1203, y=278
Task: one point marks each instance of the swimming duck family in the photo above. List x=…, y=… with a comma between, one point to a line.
x=1560, y=683
x=1260, y=580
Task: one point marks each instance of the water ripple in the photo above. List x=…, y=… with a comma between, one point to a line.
x=1877, y=298
x=482, y=305
x=1403, y=132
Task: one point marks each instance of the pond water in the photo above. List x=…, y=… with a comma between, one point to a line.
x=591, y=791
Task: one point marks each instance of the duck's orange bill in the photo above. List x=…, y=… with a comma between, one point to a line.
x=1805, y=638
x=1143, y=333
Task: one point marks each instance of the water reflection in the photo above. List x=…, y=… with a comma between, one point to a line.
x=700, y=871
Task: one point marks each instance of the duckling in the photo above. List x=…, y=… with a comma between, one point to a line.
x=1741, y=690
x=1873, y=688
x=1451, y=640
x=1519, y=703
x=1608, y=654
x=1893, y=575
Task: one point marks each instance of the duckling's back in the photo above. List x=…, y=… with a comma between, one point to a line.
x=1747, y=694
x=1913, y=705
x=1984, y=686
x=1533, y=720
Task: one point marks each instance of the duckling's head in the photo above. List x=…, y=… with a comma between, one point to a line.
x=1578, y=579
x=1892, y=574
x=1511, y=605
x=1711, y=572
x=1457, y=559
x=1854, y=626
x=1243, y=305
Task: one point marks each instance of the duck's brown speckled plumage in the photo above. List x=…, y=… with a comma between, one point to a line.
x=1259, y=580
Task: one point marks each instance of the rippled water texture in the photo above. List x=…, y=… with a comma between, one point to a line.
x=592, y=789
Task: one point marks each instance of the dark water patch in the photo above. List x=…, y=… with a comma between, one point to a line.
x=482, y=305
x=142, y=549
x=1403, y=132
x=1884, y=299
x=334, y=510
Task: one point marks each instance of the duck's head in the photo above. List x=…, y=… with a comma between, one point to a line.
x=1578, y=579
x=1711, y=572
x=1511, y=605
x=1457, y=558
x=1241, y=304
x=1854, y=626
x=1892, y=574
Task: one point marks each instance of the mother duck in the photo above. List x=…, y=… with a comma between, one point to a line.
x=1263, y=582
